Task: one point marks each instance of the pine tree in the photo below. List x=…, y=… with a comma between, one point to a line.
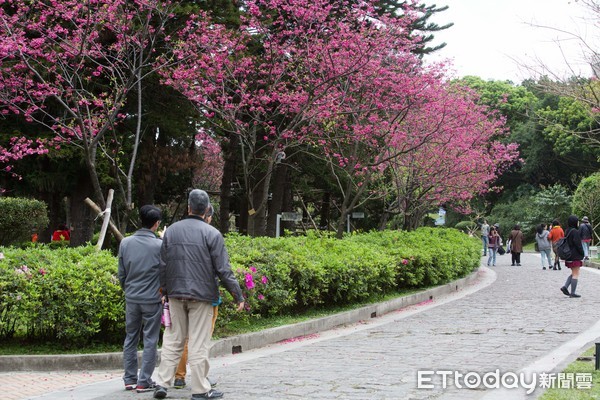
x=421, y=26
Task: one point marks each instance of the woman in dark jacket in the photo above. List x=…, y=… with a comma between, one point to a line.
x=516, y=245
x=575, y=261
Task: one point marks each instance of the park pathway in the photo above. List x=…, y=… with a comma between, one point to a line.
x=511, y=318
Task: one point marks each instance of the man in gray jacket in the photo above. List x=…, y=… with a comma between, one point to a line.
x=139, y=275
x=193, y=255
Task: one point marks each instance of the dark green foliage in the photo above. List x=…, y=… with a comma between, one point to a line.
x=586, y=200
x=422, y=26
x=530, y=208
x=19, y=218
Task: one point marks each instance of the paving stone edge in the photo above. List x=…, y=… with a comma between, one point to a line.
x=245, y=342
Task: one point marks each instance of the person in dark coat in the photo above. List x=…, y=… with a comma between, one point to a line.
x=586, y=232
x=574, y=262
x=516, y=245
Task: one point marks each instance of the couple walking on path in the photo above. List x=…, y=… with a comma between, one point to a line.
x=494, y=244
x=186, y=265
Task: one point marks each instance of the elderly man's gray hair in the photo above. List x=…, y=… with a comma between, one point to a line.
x=198, y=201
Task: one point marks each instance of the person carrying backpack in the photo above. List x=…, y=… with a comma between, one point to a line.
x=585, y=231
x=574, y=262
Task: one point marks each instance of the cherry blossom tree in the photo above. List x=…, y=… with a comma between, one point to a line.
x=17, y=149
x=360, y=142
x=70, y=66
x=269, y=83
x=462, y=160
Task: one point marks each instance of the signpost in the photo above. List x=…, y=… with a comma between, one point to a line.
x=354, y=215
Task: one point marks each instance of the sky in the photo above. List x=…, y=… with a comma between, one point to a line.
x=496, y=39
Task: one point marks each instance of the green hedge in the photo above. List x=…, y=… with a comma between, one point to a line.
x=69, y=295
x=19, y=217
x=308, y=272
x=72, y=296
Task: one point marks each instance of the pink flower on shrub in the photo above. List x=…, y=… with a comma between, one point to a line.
x=264, y=280
x=42, y=271
x=404, y=261
x=261, y=297
x=249, y=281
x=253, y=269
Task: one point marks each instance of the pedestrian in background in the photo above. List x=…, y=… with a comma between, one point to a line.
x=485, y=234
x=61, y=234
x=494, y=244
x=556, y=233
x=574, y=262
x=544, y=245
x=138, y=272
x=516, y=245
x=586, y=233
x=193, y=255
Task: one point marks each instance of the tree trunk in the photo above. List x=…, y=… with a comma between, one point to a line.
x=229, y=168
x=281, y=186
x=82, y=218
x=341, y=224
x=147, y=173
x=242, y=220
x=93, y=180
x=384, y=220
x=56, y=215
x=325, y=211
x=257, y=222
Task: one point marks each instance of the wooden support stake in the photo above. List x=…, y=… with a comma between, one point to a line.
x=106, y=217
x=113, y=228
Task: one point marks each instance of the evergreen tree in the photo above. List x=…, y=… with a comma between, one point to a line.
x=421, y=26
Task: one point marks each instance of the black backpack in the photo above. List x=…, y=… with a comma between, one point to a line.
x=563, y=249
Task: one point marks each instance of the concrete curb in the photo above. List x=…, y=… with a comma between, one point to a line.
x=235, y=344
x=592, y=264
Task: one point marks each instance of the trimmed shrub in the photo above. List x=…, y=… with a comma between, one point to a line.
x=302, y=273
x=19, y=217
x=72, y=295
x=68, y=295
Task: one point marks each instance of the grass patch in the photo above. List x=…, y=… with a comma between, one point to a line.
x=529, y=247
x=578, y=367
x=23, y=347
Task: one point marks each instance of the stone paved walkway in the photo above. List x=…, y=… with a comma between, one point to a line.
x=511, y=318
